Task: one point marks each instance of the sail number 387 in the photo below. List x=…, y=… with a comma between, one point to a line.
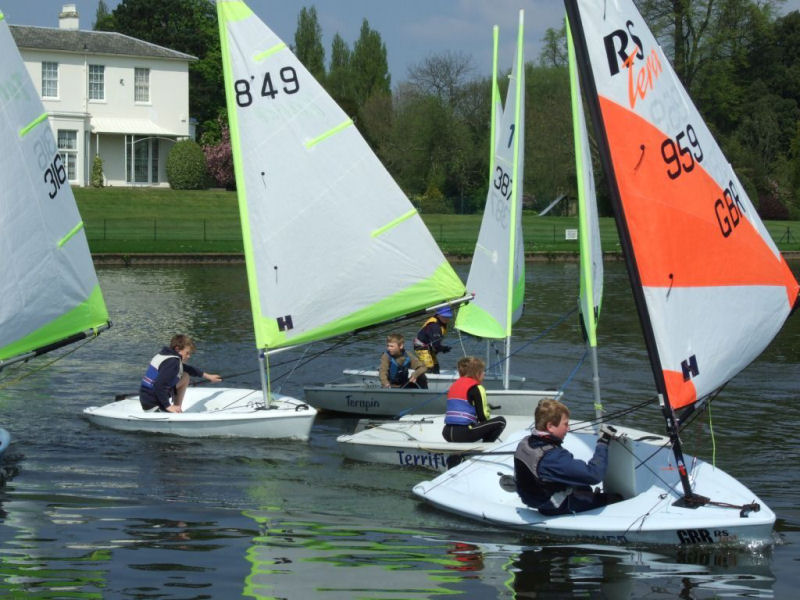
x=244, y=91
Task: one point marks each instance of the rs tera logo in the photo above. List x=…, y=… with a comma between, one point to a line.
x=640, y=80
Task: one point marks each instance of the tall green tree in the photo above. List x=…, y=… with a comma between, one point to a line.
x=308, y=43
x=103, y=19
x=339, y=82
x=188, y=26
x=369, y=65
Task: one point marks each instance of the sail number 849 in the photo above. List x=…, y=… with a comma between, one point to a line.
x=244, y=93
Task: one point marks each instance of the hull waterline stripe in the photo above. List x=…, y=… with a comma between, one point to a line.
x=329, y=133
x=27, y=129
x=71, y=233
x=267, y=53
x=394, y=223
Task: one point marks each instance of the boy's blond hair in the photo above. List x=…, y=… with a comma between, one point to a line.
x=549, y=412
x=397, y=338
x=470, y=366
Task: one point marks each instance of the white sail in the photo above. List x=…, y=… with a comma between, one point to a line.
x=497, y=272
x=591, y=254
x=713, y=289
x=47, y=280
x=331, y=242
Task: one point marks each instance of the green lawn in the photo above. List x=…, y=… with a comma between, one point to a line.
x=133, y=220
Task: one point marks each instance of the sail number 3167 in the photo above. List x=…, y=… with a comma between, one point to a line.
x=244, y=91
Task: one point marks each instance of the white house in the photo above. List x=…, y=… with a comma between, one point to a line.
x=110, y=95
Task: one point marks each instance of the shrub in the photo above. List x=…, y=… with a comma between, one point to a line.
x=97, y=172
x=219, y=160
x=186, y=166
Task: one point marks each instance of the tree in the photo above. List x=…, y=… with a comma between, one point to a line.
x=339, y=82
x=442, y=75
x=554, y=48
x=308, y=43
x=369, y=66
x=103, y=19
x=188, y=26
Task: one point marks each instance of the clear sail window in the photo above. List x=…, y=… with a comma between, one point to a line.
x=97, y=85
x=49, y=80
x=141, y=85
x=68, y=148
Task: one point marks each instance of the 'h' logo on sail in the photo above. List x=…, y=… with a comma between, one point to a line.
x=285, y=323
x=689, y=368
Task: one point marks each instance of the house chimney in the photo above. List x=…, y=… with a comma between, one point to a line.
x=68, y=18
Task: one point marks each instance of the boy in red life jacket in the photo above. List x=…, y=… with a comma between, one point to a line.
x=467, y=418
x=395, y=365
x=164, y=384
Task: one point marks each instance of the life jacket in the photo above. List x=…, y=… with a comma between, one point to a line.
x=535, y=492
x=426, y=345
x=150, y=375
x=398, y=372
x=459, y=410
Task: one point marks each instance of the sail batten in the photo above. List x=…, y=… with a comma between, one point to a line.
x=331, y=243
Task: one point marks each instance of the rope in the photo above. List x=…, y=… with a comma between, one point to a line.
x=9, y=382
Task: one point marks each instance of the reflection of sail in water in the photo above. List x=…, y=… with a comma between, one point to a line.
x=295, y=558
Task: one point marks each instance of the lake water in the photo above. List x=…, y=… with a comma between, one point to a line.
x=88, y=512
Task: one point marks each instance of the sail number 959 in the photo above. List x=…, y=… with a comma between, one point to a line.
x=244, y=93
x=679, y=156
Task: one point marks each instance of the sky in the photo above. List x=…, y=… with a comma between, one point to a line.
x=411, y=29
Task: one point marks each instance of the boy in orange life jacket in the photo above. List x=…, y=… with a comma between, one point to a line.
x=428, y=341
x=467, y=418
x=396, y=362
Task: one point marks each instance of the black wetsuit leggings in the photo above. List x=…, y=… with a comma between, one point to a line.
x=488, y=431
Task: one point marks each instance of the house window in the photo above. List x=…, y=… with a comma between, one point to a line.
x=97, y=86
x=141, y=85
x=68, y=147
x=141, y=159
x=49, y=80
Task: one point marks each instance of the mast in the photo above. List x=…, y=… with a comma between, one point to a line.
x=587, y=79
x=515, y=198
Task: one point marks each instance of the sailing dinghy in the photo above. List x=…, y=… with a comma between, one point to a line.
x=49, y=289
x=696, y=253
x=497, y=276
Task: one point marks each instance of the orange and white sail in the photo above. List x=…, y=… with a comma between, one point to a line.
x=711, y=286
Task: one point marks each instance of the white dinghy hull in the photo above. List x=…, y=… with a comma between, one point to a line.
x=643, y=471
x=415, y=441
x=374, y=401
x=210, y=412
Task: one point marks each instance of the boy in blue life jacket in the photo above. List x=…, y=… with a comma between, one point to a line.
x=164, y=384
x=396, y=364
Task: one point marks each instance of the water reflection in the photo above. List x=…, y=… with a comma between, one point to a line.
x=88, y=512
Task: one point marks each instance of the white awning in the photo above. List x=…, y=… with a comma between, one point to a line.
x=130, y=126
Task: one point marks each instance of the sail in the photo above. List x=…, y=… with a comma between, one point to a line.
x=47, y=281
x=591, y=255
x=711, y=287
x=331, y=242
x=497, y=272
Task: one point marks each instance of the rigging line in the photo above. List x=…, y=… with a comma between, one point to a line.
x=8, y=382
x=558, y=322
x=574, y=370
